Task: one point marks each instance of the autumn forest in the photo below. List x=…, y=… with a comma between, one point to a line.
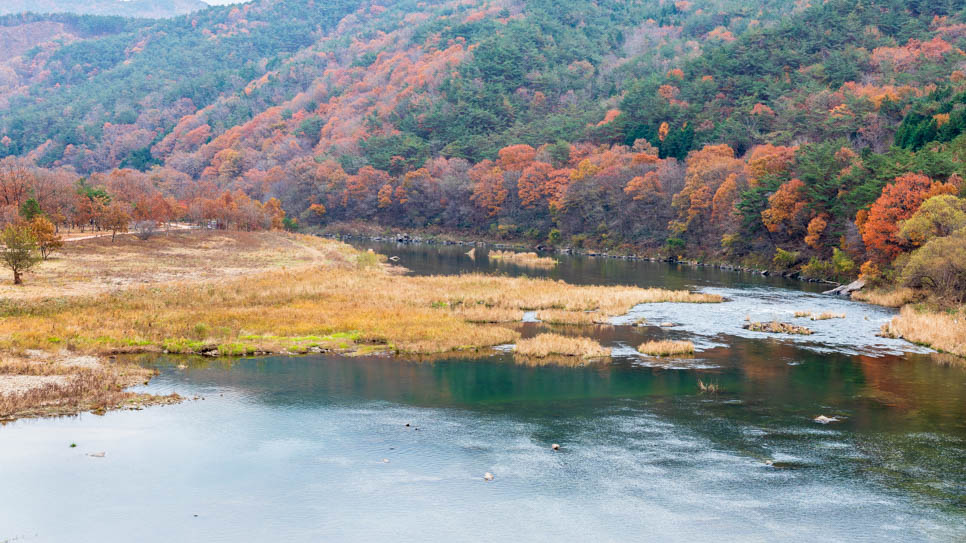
x=823, y=138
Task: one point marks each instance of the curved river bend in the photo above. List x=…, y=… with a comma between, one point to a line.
x=318, y=448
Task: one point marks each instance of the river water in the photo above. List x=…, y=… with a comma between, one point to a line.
x=325, y=448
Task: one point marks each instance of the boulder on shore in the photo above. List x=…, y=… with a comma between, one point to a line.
x=847, y=290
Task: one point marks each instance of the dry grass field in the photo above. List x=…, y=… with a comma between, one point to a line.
x=96, y=265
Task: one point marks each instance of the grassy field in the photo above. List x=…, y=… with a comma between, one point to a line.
x=234, y=294
x=96, y=265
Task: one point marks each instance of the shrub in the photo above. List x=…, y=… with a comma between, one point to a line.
x=784, y=260
x=145, y=229
x=939, y=267
x=818, y=269
x=554, y=236
x=843, y=265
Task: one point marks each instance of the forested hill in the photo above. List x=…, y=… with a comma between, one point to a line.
x=123, y=8
x=742, y=129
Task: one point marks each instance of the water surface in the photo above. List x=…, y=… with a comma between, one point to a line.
x=318, y=448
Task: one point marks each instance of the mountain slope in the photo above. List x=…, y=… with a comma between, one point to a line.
x=757, y=131
x=123, y=8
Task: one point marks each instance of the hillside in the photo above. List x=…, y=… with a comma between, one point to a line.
x=124, y=8
x=748, y=130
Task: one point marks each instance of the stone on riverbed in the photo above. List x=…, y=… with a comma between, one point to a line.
x=847, y=290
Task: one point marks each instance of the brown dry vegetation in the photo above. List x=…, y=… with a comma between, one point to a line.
x=41, y=384
x=826, y=316
x=96, y=265
x=775, y=327
x=943, y=331
x=556, y=316
x=887, y=298
x=934, y=323
x=666, y=348
x=490, y=315
x=527, y=260
x=550, y=345
x=336, y=306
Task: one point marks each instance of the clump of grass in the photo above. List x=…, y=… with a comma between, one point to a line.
x=887, y=298
x=369, y=259
x=775, y=327
x=546, y=345
x=527, y=260
x=710, y=388
x=827, y=316
x=945, y=332
x=666, y=348
x=800, y=314
x=557, y=316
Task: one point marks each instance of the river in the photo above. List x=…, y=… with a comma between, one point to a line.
x=326, y=448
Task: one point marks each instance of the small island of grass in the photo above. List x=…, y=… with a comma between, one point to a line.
x=666, y=348
x=776, y=327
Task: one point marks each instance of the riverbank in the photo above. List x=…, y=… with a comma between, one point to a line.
x=922, y=321
x=239, y=294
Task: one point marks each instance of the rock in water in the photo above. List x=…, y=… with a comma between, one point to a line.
x=822, y=419
x=555, y=447
x=488, y=476
x=847, y=290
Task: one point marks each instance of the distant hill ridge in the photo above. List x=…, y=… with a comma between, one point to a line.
x=130, y=8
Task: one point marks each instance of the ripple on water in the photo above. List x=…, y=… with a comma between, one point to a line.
x=855, y=334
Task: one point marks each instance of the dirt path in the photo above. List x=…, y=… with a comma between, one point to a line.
x=171, y=227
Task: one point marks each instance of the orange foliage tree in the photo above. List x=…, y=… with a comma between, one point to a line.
x=898, y=202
